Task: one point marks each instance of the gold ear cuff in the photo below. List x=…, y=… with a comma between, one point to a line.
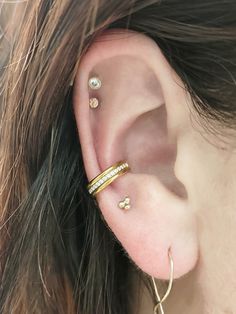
x=102, y=180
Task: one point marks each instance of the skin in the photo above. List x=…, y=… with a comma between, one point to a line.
x=182, y=180
x=209, y=178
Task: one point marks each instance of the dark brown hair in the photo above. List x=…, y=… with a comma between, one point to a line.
x=57, y=254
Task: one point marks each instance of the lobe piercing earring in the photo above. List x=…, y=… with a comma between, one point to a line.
x=93, y=102
x=158, y=308
x=94, y=83
x=125, y=204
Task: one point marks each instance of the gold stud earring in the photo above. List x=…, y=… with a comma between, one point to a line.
x=94, y=83
x=93, y=102
x=124, y=204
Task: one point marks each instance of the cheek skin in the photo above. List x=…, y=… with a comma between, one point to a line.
x=208, y=174
x=206, y=170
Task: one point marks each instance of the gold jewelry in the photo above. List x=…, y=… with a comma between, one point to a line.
x=125, y=203
x=93, y=102
x=159, y=306
x=107, y=176
x=94, y=83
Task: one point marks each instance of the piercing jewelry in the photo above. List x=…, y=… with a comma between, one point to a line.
x=94, y=83
x=125, y=203
x=107, y=176
x=159, y=306
x=93, y=102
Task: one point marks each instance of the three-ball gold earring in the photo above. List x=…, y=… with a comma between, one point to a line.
x=124, y=204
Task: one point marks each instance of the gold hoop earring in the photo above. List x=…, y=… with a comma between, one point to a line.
x=159, y=306
x=107, y=176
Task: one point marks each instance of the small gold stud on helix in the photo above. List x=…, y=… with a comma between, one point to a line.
x=125, y=204
x=93, y=102
x=94, y=83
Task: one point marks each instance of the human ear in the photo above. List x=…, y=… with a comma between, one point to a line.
x=139, y=119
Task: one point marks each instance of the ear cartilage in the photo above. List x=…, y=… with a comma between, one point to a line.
x=107, y=176
x=94, y=83
x=93, y=102
x=124, y=204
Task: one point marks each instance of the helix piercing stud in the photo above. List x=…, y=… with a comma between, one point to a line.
x=94, y=83
x=125, y=204
x=93, y=102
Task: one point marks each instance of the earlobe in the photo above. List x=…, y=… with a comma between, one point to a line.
x=124, y=93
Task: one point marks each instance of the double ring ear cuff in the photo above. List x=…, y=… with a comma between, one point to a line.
x=107, y=176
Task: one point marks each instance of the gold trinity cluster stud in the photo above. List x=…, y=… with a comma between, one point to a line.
x=125, y=204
